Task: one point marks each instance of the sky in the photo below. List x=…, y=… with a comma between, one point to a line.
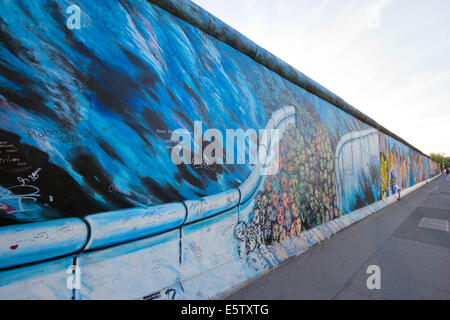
x=388, y=58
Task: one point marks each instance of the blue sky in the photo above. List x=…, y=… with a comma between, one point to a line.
x=388, y=58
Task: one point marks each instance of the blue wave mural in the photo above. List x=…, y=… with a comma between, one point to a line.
x=92, y=109
x=86, y=118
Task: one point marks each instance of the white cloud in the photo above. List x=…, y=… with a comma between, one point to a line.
x=373, y=14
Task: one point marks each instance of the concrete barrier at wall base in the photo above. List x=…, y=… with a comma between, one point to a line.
x=52, y=280
x=210, y=263
x=208, y=244
x=134, y=270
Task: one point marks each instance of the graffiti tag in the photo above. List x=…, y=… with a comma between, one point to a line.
x=203, y=165
x=19, y=193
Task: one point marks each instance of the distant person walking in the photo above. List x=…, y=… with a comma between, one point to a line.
x=397, y=189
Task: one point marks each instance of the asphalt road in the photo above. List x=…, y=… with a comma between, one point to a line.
x=413, y=260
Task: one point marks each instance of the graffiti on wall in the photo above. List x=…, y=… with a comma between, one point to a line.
x=103, y=140
x=94, y=111
x=86, y=116
x=401, y=166
x=304, y=194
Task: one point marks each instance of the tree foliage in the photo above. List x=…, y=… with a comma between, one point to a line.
x=441, y=158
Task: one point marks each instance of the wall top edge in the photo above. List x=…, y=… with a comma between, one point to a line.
x=208, y=23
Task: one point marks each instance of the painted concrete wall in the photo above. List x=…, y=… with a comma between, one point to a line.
x=92, y=205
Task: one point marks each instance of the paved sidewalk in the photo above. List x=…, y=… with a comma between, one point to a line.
x=414, y=261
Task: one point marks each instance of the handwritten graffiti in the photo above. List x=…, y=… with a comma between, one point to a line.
x=7, y=147
x=33, y=177
x=203, y=165
x=19, y=194
x=112, y=188
x=201, y=206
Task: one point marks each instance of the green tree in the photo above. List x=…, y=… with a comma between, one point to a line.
x=447, y=162
x=441, y=158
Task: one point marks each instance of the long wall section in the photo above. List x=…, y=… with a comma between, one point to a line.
x=92, y=205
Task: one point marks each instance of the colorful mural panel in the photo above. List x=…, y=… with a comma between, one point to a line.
x=401, y=166
x=310, y=188
x=86, y=118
